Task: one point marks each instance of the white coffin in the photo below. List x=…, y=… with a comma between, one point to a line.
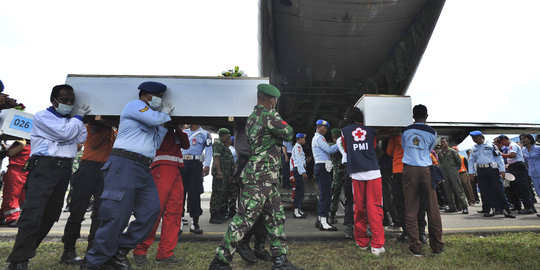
x=16, y=123
x=386, y=110
x=191, y=96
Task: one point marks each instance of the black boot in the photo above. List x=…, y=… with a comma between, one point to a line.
x=422, y=237
x=508, y=214
x=70, y=257
x=281, y=263
x=332, y=218
x=218, y=264
x=245, y=251
x=120, y=261
x=258, y=248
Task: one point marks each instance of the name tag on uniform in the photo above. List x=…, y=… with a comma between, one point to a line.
x=21, y=123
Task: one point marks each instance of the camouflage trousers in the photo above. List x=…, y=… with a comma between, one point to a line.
x=218, y=199
x=256, y=198
x=337, y=186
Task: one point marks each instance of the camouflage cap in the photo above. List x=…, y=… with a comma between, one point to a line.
x=268, y=89
x=336, y=131
x=223, y=131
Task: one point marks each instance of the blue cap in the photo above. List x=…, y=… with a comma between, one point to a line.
x=1, y=86
x=475, y=133
x=232, y=138
x=152, y=87
x=300, y=135
x=322, y=122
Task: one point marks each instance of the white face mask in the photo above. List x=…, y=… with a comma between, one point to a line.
x=63, y=109
x=154, y=103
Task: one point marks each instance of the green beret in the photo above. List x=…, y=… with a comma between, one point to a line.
x=336, y=131
x=224, y=131
x=269, y=89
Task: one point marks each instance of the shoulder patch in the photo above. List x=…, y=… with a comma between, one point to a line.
x=144, y=109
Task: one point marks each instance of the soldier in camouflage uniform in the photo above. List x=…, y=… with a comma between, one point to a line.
x=338, y=177
x=222, y=181
x=265, y=130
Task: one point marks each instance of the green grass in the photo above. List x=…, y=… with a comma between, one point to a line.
x=463, y=251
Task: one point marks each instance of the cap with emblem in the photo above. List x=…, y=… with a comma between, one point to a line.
x=300, y=135
x=322, y=122
x=222, y=131
x=336, y=131
x=152, y=87
x=475, y=133
x=268, y=89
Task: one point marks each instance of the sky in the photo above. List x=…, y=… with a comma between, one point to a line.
x=481, y=64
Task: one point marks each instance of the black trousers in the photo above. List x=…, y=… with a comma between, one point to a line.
x=192, y=178
x=45, y=190
x=87, y=182
x=521, y=185
x=349, y=199
x=491, y=189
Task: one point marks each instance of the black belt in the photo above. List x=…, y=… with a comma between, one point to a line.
x=91, y=163
x=46, y=161
x=132, y=156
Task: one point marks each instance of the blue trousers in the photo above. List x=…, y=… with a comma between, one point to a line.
x=324, y=179
x=128, y=188
x=192, y=178
x=491, y=189
x=300, y=189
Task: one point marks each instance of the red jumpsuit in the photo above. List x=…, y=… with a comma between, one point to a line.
x=14, y=180
x=166, y=173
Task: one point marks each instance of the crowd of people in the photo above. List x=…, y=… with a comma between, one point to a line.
x=153, y=170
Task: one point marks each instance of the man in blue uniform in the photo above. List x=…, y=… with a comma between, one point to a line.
x=54, y=136
x=128, y=184
x=298, y=165
x=285, y=167
x=490, y=164
x=323, y=165
x=196, y=166
x=417, y=141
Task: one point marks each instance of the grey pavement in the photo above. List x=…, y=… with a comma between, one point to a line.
x=304, y=229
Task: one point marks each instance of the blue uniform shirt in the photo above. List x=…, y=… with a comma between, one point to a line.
x=140, y=129
x=533, y=159
x=199, y=140
x=484, y=154
x=289, y=146
x=417, y=141
x=298, y=158
x=321, y=149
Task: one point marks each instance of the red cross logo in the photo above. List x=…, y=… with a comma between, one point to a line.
x=359, y=134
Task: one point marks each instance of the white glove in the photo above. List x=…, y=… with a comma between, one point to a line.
x=167, y=108
x=83, y=110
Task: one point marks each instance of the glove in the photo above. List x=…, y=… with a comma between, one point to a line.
x=83, y=110
x=167, y=108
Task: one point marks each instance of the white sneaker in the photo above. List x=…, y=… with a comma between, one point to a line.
x=361, y=247
x=377, y=251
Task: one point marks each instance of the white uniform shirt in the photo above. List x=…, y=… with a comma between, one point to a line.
x=298, y=159
x=514, y=148
x=54, y=135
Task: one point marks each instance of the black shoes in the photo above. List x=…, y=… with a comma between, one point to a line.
x=119, y=261
x=245, y=252
x=482, y=211
x=423, y=238
x=526, y=211
x=490, y=213
x=140, y=260
x=218, y=264
x=465, y=211
x=281, y=263
x=450, y=210
x=70, y=257
x=332, y=219
x=349, y=232
x=18, y=265
x=507, y=214
x=196, y=229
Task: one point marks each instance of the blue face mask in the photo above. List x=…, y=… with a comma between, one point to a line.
x=155, y=103
x=63, y=109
